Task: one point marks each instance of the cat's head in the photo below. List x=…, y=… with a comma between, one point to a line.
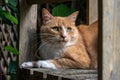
x=58, y=31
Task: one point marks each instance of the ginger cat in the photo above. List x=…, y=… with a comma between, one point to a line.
x=63, y=45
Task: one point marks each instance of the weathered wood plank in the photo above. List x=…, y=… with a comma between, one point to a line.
x=28, y=17
x=111, y=40
x=92, y=12
x=62, y=74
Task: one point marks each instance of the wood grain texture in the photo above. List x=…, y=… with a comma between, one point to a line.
x=59, y=74
x=111, y=39
x=28, y=17
x=92, y=11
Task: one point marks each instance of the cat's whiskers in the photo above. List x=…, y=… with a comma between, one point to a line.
x=42, y=34
x=37, y=37
x=46, y=34
x=50, y=39
x=39, y=49
x=37, y=42
x=43, y=44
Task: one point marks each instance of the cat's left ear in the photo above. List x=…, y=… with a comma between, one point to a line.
x=46, y=16
x=73, y=16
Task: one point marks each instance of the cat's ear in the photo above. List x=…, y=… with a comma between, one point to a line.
x=46, y=16
x=73, y=16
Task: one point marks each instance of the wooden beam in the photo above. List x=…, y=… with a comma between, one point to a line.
x=111, y=40
x=28, y=21
x=46, y=1
x=92, y=11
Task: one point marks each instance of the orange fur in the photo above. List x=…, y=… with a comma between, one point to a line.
x=76, y=56
x=90, y=35
x=81, y=54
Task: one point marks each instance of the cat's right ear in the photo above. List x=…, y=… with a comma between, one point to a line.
x=46, y=16
x=73, y=16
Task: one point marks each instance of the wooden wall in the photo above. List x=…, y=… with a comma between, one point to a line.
x=92, y=12
x=111, y=40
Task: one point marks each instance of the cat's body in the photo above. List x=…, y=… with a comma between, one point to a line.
x=90, y=35
x=63, y=45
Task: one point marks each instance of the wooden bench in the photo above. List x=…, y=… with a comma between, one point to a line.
x=59, y=74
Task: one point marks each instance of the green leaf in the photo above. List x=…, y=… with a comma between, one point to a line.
x=7, y=21
x=7, y=17
x=62, y=10
x=12, y=68
x=10, y=17
x=12, y=2
x=0, y=8
x=12, y=50
x=12, y=8
x=12, y=5
x=2, y=16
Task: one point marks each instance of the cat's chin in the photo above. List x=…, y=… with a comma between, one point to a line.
x=66, y=44
x=61, y=45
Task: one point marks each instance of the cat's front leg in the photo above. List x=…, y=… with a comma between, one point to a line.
x=38, y=64
x=28, y=64
x=45, y=64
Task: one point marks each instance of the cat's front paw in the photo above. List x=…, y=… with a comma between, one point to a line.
x=27, y=65
x=45, y=64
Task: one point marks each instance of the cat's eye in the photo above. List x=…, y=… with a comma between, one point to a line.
x=56, y=28
x=69, y=29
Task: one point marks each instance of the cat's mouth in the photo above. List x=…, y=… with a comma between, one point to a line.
x=63, y=41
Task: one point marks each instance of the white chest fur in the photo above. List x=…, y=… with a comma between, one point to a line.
x=49, y=52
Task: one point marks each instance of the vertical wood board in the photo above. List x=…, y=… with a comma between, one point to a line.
x=92, y=11
x=111, y=40
x=28, y=17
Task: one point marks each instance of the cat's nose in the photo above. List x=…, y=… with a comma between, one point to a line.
x=63, y=36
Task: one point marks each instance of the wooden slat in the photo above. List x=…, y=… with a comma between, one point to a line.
x=4, y=54
x=62, y=74
x=111, y=39
x=75, y=73
x=3, y=32
x=92, y=12
x=11, y=38
x=15, y=28
x=6, y=38
x=28, y=21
